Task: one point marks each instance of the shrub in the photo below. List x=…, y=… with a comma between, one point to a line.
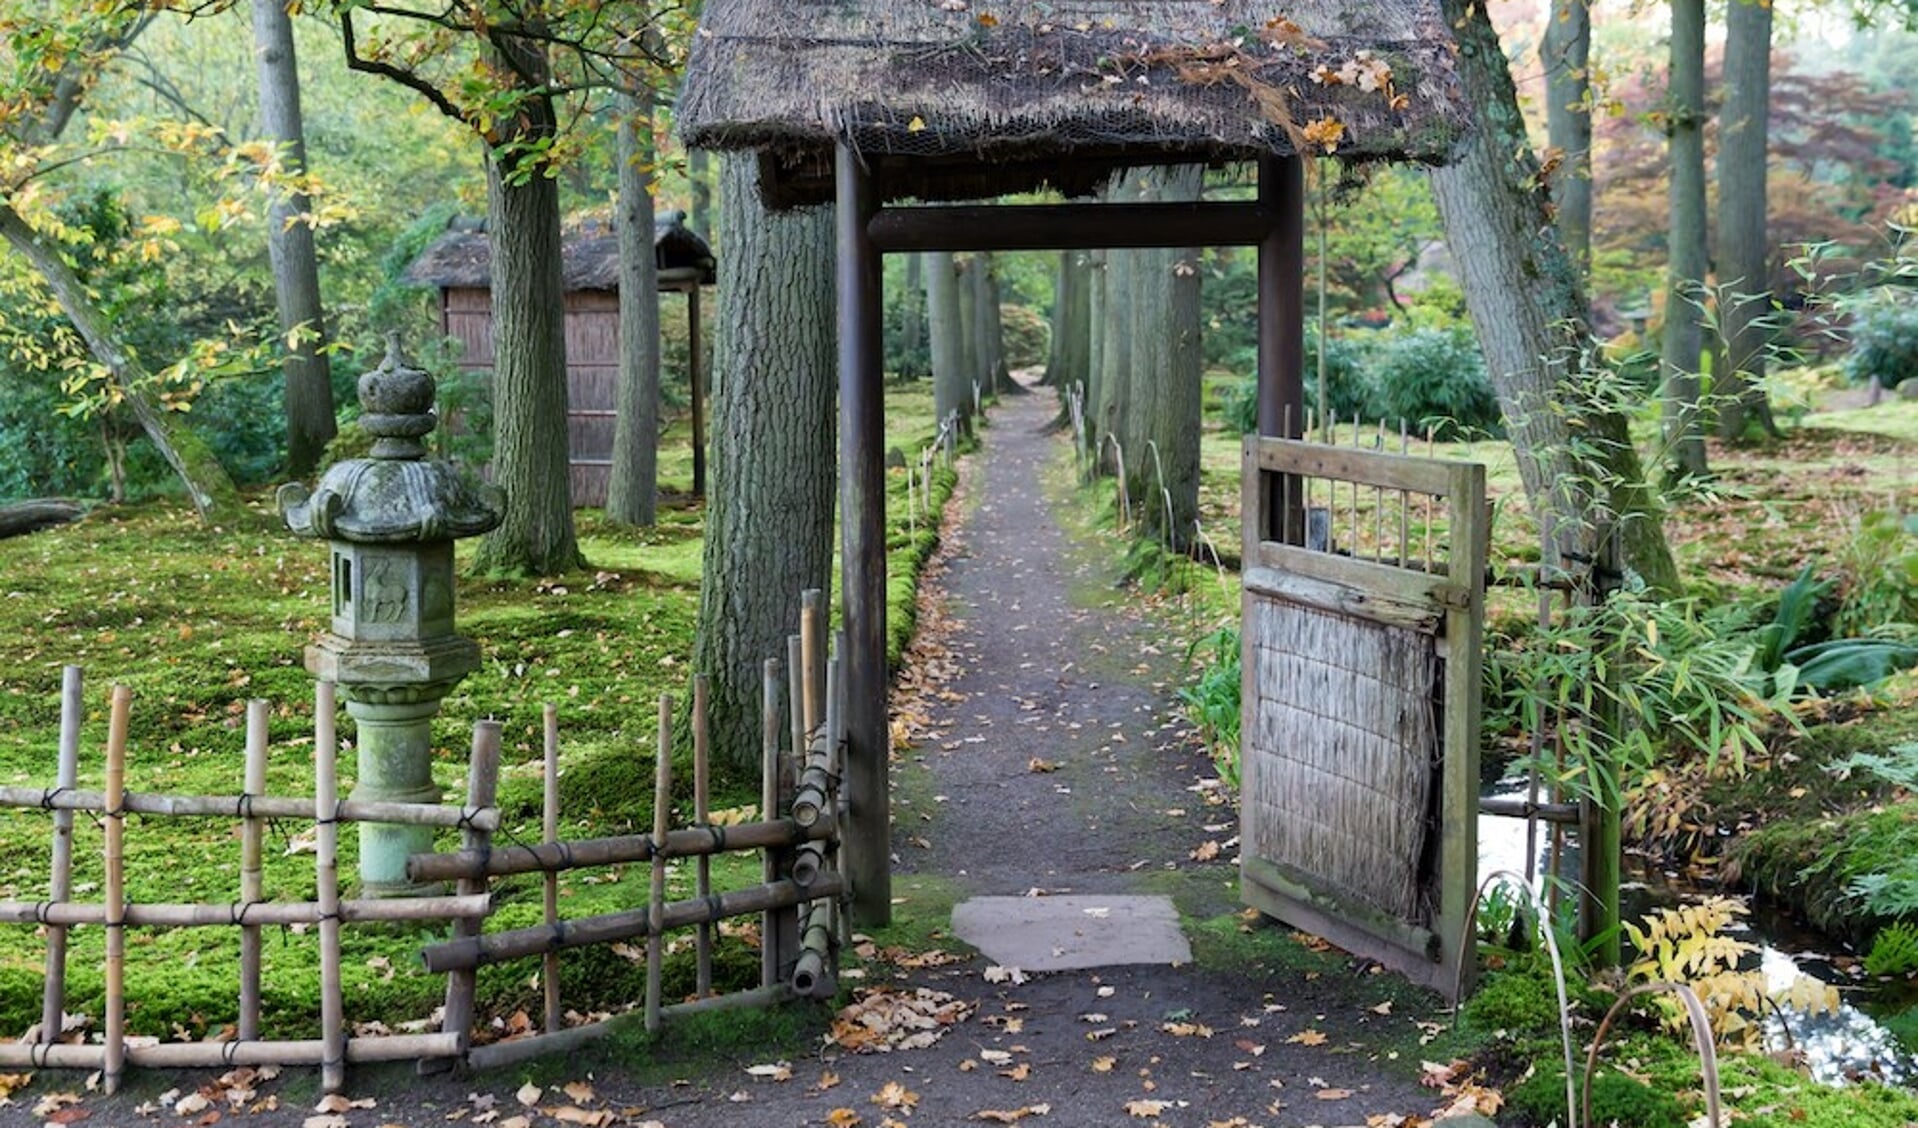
x=1348, y=389
x=1434, y=378
x=1884, y=342
x=1025, y=335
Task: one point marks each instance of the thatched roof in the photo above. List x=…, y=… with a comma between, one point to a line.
x=463, y=258
x=951, y=99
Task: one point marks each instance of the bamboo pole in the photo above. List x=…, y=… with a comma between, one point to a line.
x=1431, y=451
x=53, y=997
x=246, y=914
x=812, y=672
x=482, y=778
x=1355, y=491
x=266, y=807
x=768, y=803
x=216, y=1055
x=113, y=1058
x=549, y=824
x=785, y=773
x=326, y=823
x=812, y=973
x=252, y=886
x=1405, y=519
x=809, y=861
x=1378, y=506
x=500, y=1054
x=702, y=817
x=617, y=850
x=462, y=954
x=656, y=903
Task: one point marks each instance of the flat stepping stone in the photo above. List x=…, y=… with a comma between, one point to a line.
x=1069, y=932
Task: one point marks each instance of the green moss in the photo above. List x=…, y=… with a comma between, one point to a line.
x=1617, y=1099
x=1233, y=943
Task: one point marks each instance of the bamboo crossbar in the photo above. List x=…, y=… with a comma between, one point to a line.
x=473, y=952
x=213, y=1055
x=253, y=806
x=686, y=842
x=246, y=914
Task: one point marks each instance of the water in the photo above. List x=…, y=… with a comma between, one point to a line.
x=1835, y=1047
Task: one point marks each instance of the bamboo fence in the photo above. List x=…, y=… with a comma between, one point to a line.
x=799, y=896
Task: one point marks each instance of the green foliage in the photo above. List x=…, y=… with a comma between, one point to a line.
x=1894, y=951
x=1026, y=335
x=1884, y=341
x=1212, y=701
x=1617, y=1098
x=1879, y=574
x=1433, y=379
x=1348, y=388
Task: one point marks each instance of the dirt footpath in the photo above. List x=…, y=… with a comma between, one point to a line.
x=1042, y=755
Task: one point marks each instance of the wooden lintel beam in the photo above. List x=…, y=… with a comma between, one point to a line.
x=1070, y=227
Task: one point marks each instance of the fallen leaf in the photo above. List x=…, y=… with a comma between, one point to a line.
x=529, y=1094
x=1103, y=1064
x=579, y=1092
x=1307, y=1038
x=1146, y=1109
x=776, y=1071
x=1333, y=1094
x=1018, y=1072
x=893, y=1095
x=843, y=1118
x=1011, y=1115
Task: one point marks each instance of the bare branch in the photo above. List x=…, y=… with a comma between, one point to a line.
x=400, y=75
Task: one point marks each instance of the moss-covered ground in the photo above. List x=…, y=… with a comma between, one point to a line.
x=196, y=620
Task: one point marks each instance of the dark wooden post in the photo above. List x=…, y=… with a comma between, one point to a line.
x=1281, y=379
x=696, y=365
x=867, y=834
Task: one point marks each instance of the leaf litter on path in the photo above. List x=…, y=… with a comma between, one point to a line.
x=884, y=1019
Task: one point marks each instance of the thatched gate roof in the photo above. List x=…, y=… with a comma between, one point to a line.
x=963, y=99
x=463, y=257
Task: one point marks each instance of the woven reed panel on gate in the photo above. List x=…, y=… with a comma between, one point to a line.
x=1340, y=765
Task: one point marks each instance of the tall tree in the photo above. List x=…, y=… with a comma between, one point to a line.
x=632, y=491
x=951, y=392
x=506, y=72
x=1167, y=384
x=1744, y=136
x=1071, y=309
x=769, y=523
x=1575, y=455
x=1566, y=52
x=296, y=270
x=1684, y=291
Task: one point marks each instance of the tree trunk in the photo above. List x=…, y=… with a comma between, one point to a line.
x=992, y=335
x=24, y=517
x=950, y=392
x=530, y=457
x=632, y=490
x=969, y=351
x=912, y=343
x=1071, y=299
x=769, y=523
x=207, y=485
x=1574, y=455
x=1107, y=415
x=1684, y=292
x=1149, y=294
x=1167, y=401
x=1743, y=266
x=296, y=272
x=1097, y=333
x=1566, y=54
x=698, y=175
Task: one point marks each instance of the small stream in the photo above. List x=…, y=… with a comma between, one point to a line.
x=1837, y=1047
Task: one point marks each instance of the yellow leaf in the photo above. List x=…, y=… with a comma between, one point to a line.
x=1307, y=1038
x=916, y=125
x=1146, y=1109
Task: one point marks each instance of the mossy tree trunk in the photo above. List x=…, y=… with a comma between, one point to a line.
x=769, y=522
x=296, y=273
x=996, y=377
x=912, y=343
x=1566, y=54
x=1071, y=337
x=632, y=489
x=946, y=330
x=1106, y=414
x=530, y=456
x=1167, y=392
x=969, y=361
x=1684, y=291
x=1743, y=265
x=1573, y=451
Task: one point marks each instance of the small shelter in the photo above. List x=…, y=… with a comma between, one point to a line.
x=895, y=109
x=460, y=263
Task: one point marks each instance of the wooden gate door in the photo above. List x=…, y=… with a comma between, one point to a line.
x=1363, y=613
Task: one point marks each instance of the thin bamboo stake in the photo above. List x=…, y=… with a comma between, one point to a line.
x=1285, y=486
x=812, y=674
x=549, y=825
x=1378, y=506
x=1355, y=491
x=482, y=780
x=1431, y=451
x=702, y=816
x=1405, y=518
x=796, y=691
x=326, y=823
x=252, y=887
x=53, y=998
x=656, y=905
x=768, y=803
x=785, y=771
x=113, y=1059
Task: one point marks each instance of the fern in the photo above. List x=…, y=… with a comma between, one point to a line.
x=1894, y=951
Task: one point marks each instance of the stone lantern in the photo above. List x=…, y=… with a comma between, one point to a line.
x=391, y=519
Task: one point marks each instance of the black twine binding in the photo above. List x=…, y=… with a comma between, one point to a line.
x=48, y=795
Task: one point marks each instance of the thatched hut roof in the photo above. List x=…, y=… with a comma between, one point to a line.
x=464, y=258
x=951, y=99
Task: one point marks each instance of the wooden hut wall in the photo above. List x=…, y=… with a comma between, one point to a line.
x=592, y=373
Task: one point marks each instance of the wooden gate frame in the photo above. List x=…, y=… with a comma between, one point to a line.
x=1443, y=600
